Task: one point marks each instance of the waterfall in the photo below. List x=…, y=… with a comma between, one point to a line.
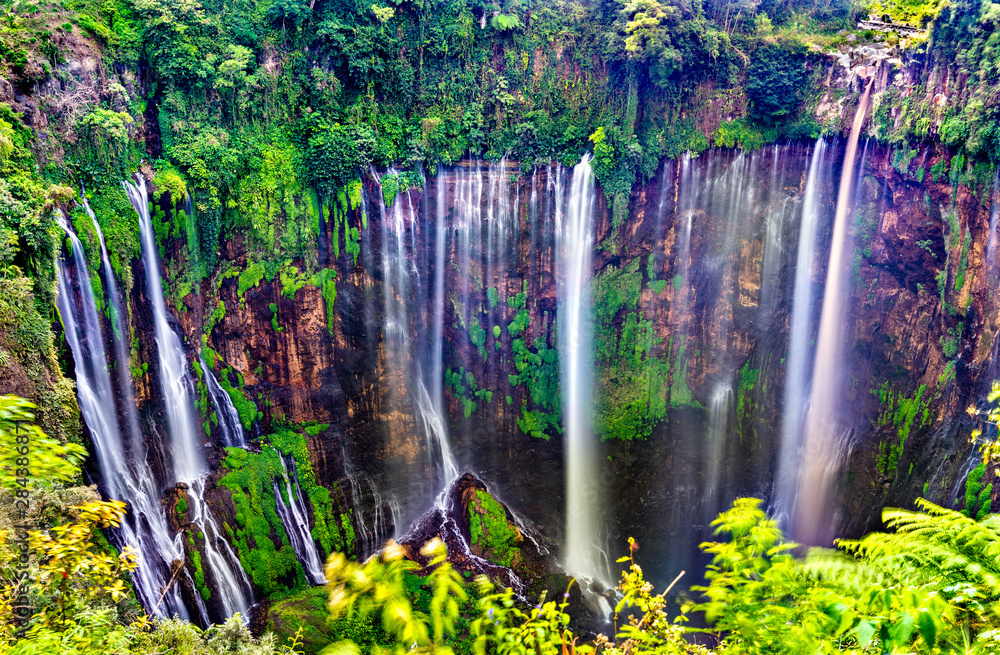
x=185, y=447
x=295, y=518
x=229, y=419
x=718, y=426
x=437, y=375
x=126, y=392
x=770, y=282
x=796, y=392
x=189, y=466
x=575, y=244
x=231, y=583
x=813, y=516
x=403, y=286
x=145, y=527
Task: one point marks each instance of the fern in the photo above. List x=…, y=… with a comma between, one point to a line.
x=941, y=547
x=505, y=22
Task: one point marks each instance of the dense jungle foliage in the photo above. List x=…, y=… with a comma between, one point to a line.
x=929, y=585
x=263, y=113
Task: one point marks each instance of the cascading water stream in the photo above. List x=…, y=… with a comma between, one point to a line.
x=186, y=448
x=822, y=461
x=401, y=284
x=145, y=528
x=230, y=426
x=231, y=583
x=575, y=244
x=718, y=428
x=796, y=392
x=295, y=518
x=189, y=467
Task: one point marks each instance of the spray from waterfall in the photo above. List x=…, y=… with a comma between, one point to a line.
x=796, y=392
x=821, y=460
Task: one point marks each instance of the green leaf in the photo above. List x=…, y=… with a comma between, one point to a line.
x=345, y=647
x=864, y=633
x=927, y=625
x=900, y=632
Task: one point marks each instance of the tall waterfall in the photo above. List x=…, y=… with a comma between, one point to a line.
x=403, y=285
x=796, y=392
x=575, y=244
x=124, y=478
x=186, y=447
x=822, y=460
x=189, y=466
x=295, y=518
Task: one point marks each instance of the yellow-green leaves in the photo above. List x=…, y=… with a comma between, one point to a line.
x=28, y=457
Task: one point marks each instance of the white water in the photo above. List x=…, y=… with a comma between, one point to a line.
x=402, y=286
x=232, y=586
x=185, y=444
x=230, y=426
x=796, y=392
x=145, y=528
x=718, y=430
x=295, y=518
x=770, y=278
x=820, y=462
x=574, y=245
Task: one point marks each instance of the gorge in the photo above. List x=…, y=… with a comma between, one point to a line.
x=340, y=294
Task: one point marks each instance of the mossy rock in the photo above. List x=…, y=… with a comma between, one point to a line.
x=308, y=610
x=492, y=534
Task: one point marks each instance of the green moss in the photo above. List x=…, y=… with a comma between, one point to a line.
x=292, y=281
x=199, y=574
x=519, y=301
x=519, y=324
x=169, y=180
x=978, y=502
x=326, y=280
x=905, y=415
x=493, y=296
x=748, y=380
x=491, y=532
x=260, y=538
x=217, y=315
x=250, y=278
x=632, y=382
x=274, y=319
x=538, y=370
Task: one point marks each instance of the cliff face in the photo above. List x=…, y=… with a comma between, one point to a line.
x=692, y=297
